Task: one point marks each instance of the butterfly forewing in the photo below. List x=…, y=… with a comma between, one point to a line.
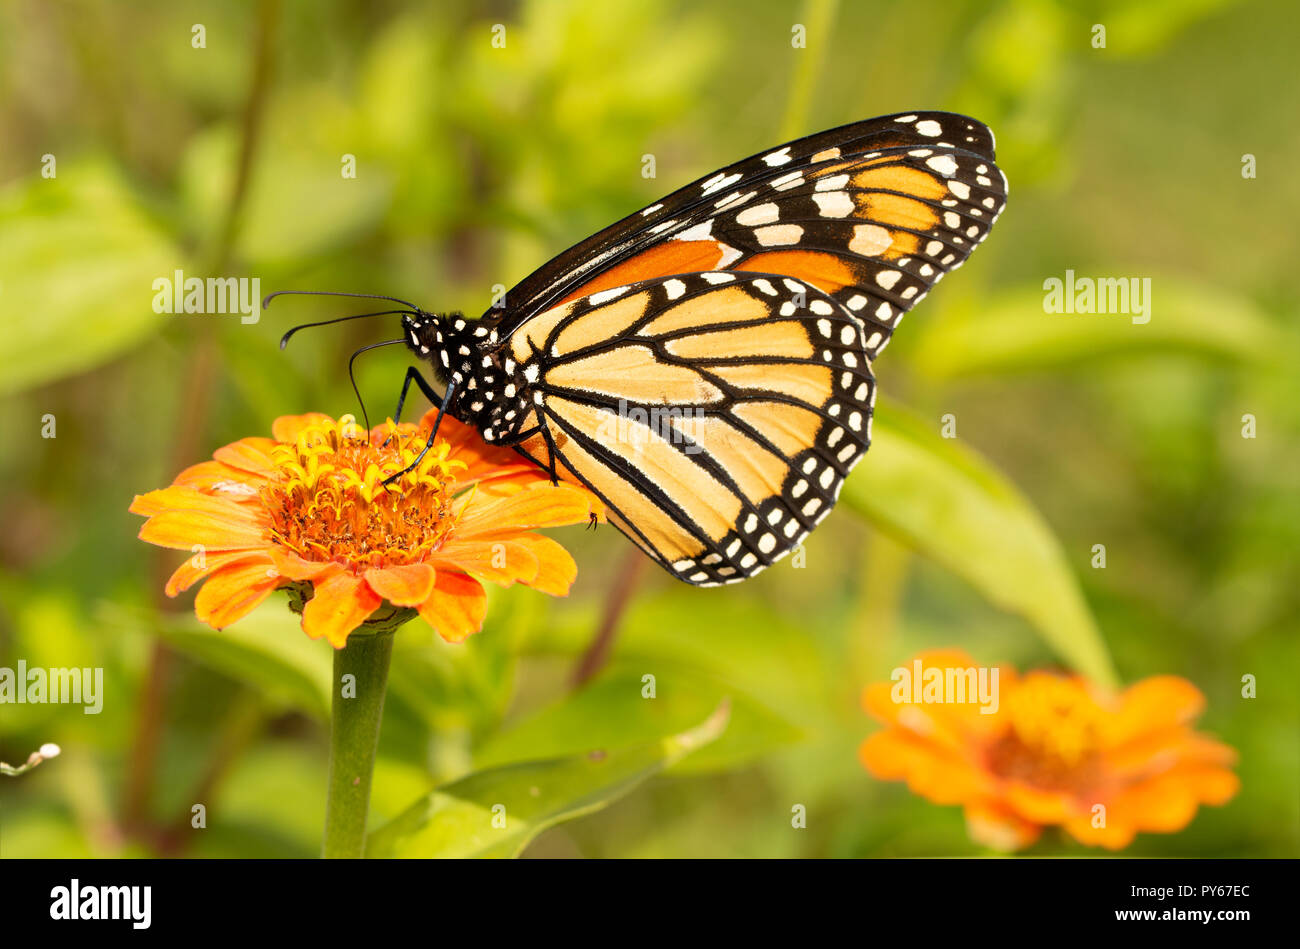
x=873, y=213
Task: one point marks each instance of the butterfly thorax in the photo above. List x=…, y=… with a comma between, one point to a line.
x=491, y=392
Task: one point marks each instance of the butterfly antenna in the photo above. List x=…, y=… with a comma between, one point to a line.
x=284, y=340
x=266, y=301
x=352, y=377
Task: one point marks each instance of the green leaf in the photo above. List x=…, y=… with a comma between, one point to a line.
x=612, y=710
x=457, y=820
x=1014, y=334
x=78, y=258
x=266, y=650
x=948, y=503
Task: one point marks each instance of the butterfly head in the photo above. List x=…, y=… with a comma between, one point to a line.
x=441, y=338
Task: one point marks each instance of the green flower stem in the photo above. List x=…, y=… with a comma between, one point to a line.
x=354, y=736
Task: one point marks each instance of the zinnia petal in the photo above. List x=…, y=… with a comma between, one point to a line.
x=287, y=428
x=501, y=560
x=998, y=828
x=292, y=567
x=183, y=530
x=1154, y=703
x=340, y=605
x=232, y=593
x=248, y=454
x=189, y=572
x=456, y=607
x=556, y=569
x=1092, y=830
x=542, y=505
x=930, y=770
x=406, y=585
x=1038, y=805
x=214, y=477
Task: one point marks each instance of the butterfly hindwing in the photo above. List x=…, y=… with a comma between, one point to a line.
x=715, y=413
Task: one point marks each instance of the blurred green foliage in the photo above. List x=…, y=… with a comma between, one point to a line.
x=474, y=165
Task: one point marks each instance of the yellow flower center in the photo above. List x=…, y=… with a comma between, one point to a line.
x=1053, y=741
x=329, y=502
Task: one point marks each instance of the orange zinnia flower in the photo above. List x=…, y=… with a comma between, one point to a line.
x=308, y=510
x=1054, y=749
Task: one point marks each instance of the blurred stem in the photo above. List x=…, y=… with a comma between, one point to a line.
x=625, y=584
x=884, y=577
x=268, y=16
x=354, y=737
x=819, y=17
x=195, y=398
x=243, y=722
x=82, y=786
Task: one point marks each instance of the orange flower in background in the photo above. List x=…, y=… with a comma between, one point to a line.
x=1053, y=750
x=308, y=509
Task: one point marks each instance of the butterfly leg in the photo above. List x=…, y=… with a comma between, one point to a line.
x=433, y=433
x=412, y=375
x=523, y=436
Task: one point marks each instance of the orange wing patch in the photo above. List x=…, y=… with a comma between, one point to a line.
x=758, y=472
x=706, y=501
x=786, y=338
x=808, y=383
x=728, y=305
x=664, y=536
x=662, y=260
x=602, y=324
x=634, y=374
x=826, y=272
x=901, y=178
x=788, y=427
x=894, y=210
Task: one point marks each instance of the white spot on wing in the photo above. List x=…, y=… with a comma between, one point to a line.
x=758, y=214
x=870, y=240
x=699, y=232
x=834, y=204
x=720, y=181
x=604, y=296
x=779, y=235
x=943, y=164
x=779, y=157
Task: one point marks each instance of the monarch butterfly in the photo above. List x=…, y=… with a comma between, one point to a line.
x=704, y=364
